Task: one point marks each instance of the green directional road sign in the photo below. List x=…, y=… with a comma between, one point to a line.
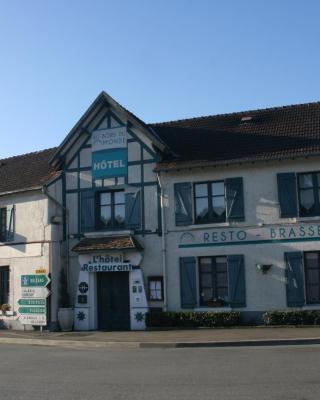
x=34, y=280
x=32, y=302
x=32, y=310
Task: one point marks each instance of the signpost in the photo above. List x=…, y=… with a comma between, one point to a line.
x=34, y=292
x=33, y=310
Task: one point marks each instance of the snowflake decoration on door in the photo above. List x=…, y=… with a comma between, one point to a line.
x=139, y=316
x=81, y=316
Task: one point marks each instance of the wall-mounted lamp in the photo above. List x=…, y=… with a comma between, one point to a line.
x=264, y=268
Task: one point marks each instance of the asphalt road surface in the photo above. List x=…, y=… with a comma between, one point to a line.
x=257, y=373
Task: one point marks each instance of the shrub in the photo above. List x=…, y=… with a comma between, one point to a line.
x=298, y=317
x=191, y=319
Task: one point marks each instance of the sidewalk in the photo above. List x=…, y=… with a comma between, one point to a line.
x=219, y=337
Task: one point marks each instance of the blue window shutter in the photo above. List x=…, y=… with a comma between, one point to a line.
x=87, y=211
x=234, y=198
x=10, y=220
x=287, y=195
x=294, y=279
x=188, y=288
x=183, y=203
x=237, y=286
x=133, y=210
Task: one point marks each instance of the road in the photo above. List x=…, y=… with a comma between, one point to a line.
x=46, y=373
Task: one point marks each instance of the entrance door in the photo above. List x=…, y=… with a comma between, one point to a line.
x=113, y=301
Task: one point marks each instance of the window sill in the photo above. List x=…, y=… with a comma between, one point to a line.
x=104, y=233
x=307, y=219
x=216, y=309
x=311, y=307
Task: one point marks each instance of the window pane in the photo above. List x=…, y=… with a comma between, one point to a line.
x=305, y=181
x=223, y=292
x=311, y=260
x=105, y=215
x=307, y=199
x=221, y=264
x=312, y=276
x=202, y=208
x=119, y=197
x=206, y=294
x=217, y=188
x=313, y=293
x=105, y=199
x=119, y=214
x=218, y=205
x=206, y=280
x=222, y=279
x=201, y=190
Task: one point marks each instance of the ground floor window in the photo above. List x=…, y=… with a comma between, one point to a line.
x=213, y=281
x=155, y=288
x=4, y=285
x=312, y=277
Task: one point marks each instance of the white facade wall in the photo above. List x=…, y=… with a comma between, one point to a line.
x=35, y=245
x=263, y=291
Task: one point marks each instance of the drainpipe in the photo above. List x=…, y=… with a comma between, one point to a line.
x=57, y=203
x=163, y=245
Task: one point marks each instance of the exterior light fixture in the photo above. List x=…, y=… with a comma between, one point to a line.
x=264, y=268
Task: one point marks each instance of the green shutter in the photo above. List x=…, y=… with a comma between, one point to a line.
x=183, y=203
x=237, y=286
x=294, y=279
x=10, y=221
x=188, y=287
x=133, y=210
x=235, y=200
x=287, y=195
x=87, y=211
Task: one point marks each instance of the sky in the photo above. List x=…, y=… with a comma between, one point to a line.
x=161, y=59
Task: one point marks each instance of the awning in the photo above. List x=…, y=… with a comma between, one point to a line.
x=107, y=243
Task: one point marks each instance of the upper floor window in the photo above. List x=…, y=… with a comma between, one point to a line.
x=3, y=224
x=309, y=194
x=210, y=204
x=111, y=209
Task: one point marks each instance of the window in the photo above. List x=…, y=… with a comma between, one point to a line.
x=213, y=281
x=111, y=209
x=312, y=277
x=210, y=204
x=4, y=285
x=3, y=224
x=309, y=194
x=155, y=286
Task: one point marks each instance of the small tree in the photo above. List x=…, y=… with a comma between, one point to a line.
x=64, y=297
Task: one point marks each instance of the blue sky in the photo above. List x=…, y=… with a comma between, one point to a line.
x=163, y=60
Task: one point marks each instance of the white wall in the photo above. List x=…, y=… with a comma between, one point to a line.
x=261, y=210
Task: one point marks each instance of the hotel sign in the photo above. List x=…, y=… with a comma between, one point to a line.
x=105, y=264
x=109, y=153
x=248, y=236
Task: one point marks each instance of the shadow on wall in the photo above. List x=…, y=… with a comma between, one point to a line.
x=18, y=244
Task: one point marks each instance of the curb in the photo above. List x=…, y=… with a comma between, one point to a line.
x=159, y=345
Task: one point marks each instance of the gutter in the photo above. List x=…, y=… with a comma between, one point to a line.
x=162, y=167
x=31, y=189
x=163, y=246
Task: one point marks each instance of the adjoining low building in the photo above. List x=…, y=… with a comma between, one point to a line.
x=29, y=232
x=213, y=213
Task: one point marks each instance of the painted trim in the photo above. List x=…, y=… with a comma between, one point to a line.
x=249, y=242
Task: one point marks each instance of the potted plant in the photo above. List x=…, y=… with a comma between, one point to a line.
x=65, y=312
x=216, y=302
x=5, y=308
